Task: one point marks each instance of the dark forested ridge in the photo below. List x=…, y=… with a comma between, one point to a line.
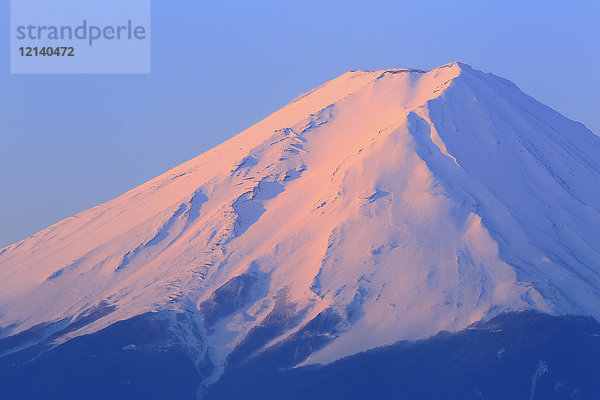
x=514, y=356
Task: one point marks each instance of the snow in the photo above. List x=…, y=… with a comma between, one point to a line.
x=410, y=202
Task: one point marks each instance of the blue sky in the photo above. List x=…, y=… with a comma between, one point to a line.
x=69, y=142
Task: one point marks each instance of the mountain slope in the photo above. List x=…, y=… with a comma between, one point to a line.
x=513, y=356
x=381, y=206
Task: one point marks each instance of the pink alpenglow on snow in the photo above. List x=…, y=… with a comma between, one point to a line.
x=407, y=201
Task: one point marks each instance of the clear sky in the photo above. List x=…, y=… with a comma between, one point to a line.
x=69, y=142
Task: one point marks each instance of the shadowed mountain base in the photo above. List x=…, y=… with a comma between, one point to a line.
x=134, y=359
x=513, y=356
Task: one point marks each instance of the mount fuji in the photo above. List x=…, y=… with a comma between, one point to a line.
x=390, y=234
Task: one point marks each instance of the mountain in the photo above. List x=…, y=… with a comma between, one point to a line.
x=382, y=209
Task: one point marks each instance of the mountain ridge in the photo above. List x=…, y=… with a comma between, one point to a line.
x=397, y=203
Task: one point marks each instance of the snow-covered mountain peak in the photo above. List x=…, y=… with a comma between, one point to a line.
x=384, y=205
